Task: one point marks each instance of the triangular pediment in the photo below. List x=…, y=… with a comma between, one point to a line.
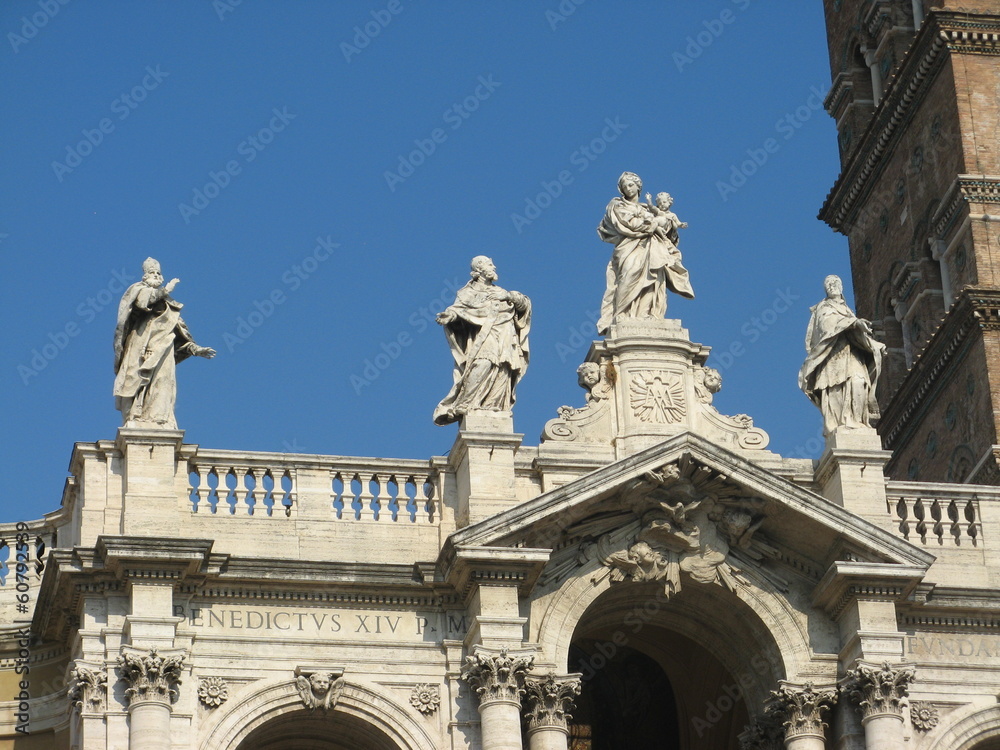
x=646, y=495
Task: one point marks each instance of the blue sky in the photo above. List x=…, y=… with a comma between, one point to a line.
x=319, y=174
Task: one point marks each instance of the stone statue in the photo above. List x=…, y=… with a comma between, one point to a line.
x=844, y=361
x=150, y=339
x=487, y=329
x=646, y=261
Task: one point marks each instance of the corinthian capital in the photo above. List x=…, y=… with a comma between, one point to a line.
x=878, y=691
x=151, y=676
x=497, y=677
x=87, y=688
x=801, y=707
x=550, y=700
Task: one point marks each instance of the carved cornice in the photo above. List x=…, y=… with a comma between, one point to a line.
x=878, y=691
x=801, y=707
x=964, y=190
x=497, y=676
x=550, y=701
x=151, y=676
x=973, y=310
x=941, y=32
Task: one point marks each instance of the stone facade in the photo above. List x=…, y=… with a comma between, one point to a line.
x=915, y=99
x=650, y=571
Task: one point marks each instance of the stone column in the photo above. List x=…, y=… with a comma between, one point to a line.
x=152, y=680
x=801, y=710
x=88, y=689
x=498, y=680
x=550, y=701
x=879, y=693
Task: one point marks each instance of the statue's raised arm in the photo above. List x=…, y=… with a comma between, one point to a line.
x=150, y=339
x=646, y=261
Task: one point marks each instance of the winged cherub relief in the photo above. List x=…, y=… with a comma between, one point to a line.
x=319, y=689
x=683, y=530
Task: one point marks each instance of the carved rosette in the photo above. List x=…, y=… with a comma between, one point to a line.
x=550, y=701
x=924, y=716
x=425, y=698
x=213, y=692
x=497, y=677
x=87, y=689
x=801, y=708
x=151, y=677
x=879, y=691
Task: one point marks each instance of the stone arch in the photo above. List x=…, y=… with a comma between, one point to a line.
x=263, y=702
x=967, y=728
x=771, y=617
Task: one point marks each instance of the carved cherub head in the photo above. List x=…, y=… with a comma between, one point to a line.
x=713, y=380
x=664, y=201
x=318, y=690
x=588, y=375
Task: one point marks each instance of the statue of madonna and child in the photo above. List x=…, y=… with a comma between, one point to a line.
x=646, y=261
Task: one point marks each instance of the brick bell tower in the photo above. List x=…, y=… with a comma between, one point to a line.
x=916, y=97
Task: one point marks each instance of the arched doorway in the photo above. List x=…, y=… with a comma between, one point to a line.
x=305, y=730
x=670, y=675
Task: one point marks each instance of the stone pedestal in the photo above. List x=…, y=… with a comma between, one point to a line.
x=151, y=497
x=851, y=473
x=483, y=458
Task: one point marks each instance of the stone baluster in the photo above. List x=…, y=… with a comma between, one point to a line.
x=801, y=708
x=550, y=702
x=880, y=693
x=498, y=680
x=152, y=680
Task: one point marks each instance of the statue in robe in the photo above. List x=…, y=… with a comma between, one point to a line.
x=487, y=329
x=150, y=339
x=646, y=261
x=843, y=363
